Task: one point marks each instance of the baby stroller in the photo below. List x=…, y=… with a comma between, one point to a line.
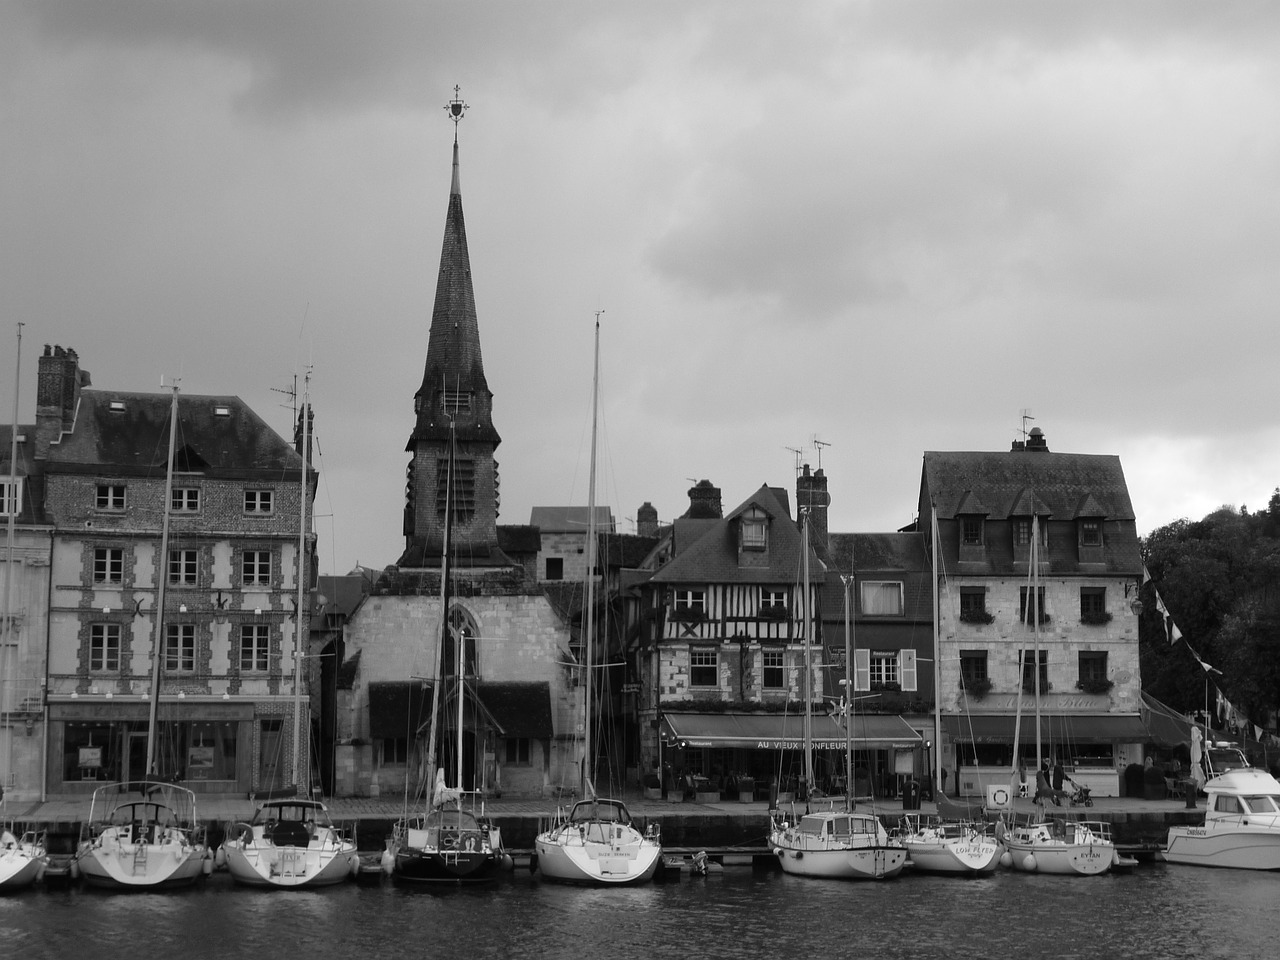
x=1080, y=795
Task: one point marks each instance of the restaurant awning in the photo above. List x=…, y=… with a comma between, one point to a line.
x=398, y=709
x=1060, y=727
x=774, y=731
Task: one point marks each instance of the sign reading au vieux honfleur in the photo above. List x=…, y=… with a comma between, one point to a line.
x=798, y=744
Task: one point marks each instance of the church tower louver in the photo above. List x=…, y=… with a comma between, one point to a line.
x=454, y=404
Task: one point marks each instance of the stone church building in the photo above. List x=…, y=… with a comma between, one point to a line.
x=521, y=695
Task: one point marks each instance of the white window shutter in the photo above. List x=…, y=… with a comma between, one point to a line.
x=907, y=668
x=862, y=669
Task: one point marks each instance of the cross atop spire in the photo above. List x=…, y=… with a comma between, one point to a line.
x=456, y=108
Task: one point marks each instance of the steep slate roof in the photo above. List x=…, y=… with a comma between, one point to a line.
x=453, y=346
x=134, y=440
x=713, y=556
x=1006, y=483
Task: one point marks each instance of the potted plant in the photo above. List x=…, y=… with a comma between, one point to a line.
x=976, y=616
x=1095, y=617
x=1095, y=685
x=976, y=687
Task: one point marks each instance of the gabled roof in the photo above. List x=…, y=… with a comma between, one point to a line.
x=128, y=434
x=1004, y=482
x=713, y=556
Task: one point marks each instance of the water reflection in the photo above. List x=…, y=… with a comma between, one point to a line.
x=1157, y=911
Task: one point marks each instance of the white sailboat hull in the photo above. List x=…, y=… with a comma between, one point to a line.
x=22, y=862
x=952, y=848
x=837, y=846
x=257, y=862
x=1082, y=851
x=113, y=860
x=597, y=855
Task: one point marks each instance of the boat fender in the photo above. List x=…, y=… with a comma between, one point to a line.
x=507, y=862
x=355, y=865
x=388, y=862
x=1006, y=859
x=75, y=870
x=1029, y=863
x=40, y=871
x=206, y=864
x=220, y=858
x=533, y=862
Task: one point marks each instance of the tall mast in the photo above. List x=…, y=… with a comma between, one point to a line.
x=1035, y=631
x=806, y=622
x=443, y=636
x=13, y=506
x=300, y=752
x=589, y=629
x=937, y=656
x=161, y=581
x=848, y=693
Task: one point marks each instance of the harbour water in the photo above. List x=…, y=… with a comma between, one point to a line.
x=1158, y=910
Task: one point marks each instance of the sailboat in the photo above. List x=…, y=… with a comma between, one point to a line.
x=938, y=844
x=596, y=842
x=449, y=842
x=23, y=857
x=831, y=844
x=291, y=842
x=1072, y=847
x=153, y=840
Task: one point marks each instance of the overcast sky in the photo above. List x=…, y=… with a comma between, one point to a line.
x=892, y=227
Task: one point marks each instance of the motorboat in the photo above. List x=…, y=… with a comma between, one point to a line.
x=141, y=835
x=597, y=843
x=837, y=845
x=289, y=843
x=1071, y=847
x=23, y=859
x=950, y=846
x=1241, y=824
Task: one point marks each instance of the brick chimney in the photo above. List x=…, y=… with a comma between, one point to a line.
x=811, y=495
x=59, y=380
x=647, y=520
x=704, y=501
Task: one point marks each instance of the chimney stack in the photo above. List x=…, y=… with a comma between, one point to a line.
x=647, y=520
x=704, y=502
x=812, y=496
x=59, y=380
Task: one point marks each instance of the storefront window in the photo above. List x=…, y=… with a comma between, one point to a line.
x=185, y=750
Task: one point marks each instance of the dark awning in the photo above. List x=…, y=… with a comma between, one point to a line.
x=773, y=731
x=397, y=708
x=1060, y=727
x=1166, y=726
x=519, y=709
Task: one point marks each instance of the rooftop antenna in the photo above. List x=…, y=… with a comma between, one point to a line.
x=455, y=108
x=819, y=445
x=799, y=453
x=292, y=393
x=1026, y=418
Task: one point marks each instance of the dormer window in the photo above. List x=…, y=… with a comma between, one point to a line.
x=755, y=534
x=971, y=531
x=1091, y=533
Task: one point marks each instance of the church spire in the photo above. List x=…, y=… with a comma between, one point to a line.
x=453, y=406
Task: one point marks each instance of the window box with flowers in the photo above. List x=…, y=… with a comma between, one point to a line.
x=889, y=686
x=976, y=616
x=1095, y=617
x=1095, y=685
x=687, y=615
x=976, y=687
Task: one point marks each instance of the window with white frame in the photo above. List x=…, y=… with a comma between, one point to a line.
x=881, y=598
x=259, y=501
x=255, y=648
x=690, y=602
x=110, y=496
x=108, y=565
x=773, y=601
x=180, y=648
x=185, y=500
x=704, y=668
x=184, y=567
x=255, y=568
x=773, y=669
x=10, y=497
x=104, y=647
x=875, y=669
x=755, y=531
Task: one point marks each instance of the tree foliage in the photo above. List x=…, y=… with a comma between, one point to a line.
x=1219, y=578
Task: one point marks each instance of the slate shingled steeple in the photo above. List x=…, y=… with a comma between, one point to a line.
x=454, y=400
